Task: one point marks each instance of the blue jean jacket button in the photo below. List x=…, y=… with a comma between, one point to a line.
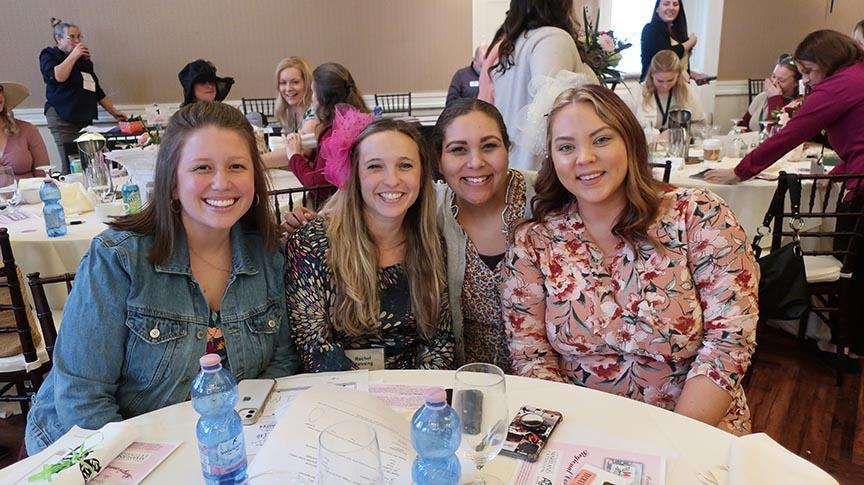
x=200, y=334
x=154, y=333
x=272, y=323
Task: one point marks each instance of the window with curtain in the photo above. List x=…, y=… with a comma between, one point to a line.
x=626, y=18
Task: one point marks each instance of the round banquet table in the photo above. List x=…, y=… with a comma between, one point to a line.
x=691, y=446
x=35, y=251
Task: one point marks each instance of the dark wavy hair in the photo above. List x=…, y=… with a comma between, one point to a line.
x=158, y=219
x=830, y=50
x=334, y=85
x=462, y=107
x=641, y=189
x=678, y=30
x=525, y=15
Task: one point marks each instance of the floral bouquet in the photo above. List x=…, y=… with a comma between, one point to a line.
x=602, y=50
x=783, y=115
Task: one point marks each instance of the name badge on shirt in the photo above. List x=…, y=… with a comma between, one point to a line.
x=474, y=84
x=89, y=83
x=371, y=359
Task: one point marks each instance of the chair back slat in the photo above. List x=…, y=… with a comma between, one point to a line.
x=667, y=169
x=754, y=87
x=321, y=194
x=265, y=106
x=19, y=310
x=42, y=306
x=394, y=103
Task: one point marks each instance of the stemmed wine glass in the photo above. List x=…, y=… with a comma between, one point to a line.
x=480, y=399
x=8, y=190
x=348, y=453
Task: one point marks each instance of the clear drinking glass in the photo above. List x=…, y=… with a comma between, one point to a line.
x=677, y=145
x=99, y=182
x=348, y=455
x=480, y=398
x=8, y=189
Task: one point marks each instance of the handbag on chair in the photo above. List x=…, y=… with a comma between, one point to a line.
x=783, y=291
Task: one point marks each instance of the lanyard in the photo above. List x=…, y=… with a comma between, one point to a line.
x=665, y=113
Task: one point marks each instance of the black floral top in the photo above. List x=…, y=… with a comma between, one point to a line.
x=311, y=294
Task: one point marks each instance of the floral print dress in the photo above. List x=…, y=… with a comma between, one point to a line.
x=311, y=294
x=646, y=322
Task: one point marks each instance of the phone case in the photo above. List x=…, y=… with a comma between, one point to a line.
x=529, y=431
x=253, y=394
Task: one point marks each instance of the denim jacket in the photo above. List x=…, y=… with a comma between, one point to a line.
x=132, y=332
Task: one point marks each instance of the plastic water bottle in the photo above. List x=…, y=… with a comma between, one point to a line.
x=377, y=111
x=219, y=429
x=435, y=435
x=55, y=218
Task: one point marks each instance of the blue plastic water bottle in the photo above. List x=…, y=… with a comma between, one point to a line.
x=219, y=430
x=55, y=218
x=435, y=435
x=377, y=111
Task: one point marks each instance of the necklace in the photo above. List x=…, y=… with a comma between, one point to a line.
x=208, y=263
x=504, y=211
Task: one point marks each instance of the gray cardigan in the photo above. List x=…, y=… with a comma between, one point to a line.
x=456, y=240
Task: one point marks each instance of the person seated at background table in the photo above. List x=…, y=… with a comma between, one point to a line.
x=778, y=91
x=71, y=86
x=536, y=39
x=200, y=82
x=21, y=145
x=623, y=284
x=197, y=271
x=332, y=84
x=667, y=30
x=832, y=66
x=367, y=275
x=858, y=34
x=665, y=89
x=479, y=204
x=466, y=81
x=293, y=103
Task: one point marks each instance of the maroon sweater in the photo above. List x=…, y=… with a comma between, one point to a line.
x=836, y=105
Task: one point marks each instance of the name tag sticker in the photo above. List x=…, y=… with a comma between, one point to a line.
x=89, y=83
x=474, y=84
x=371, y=359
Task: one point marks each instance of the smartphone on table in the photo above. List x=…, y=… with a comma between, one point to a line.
x=529, y=431
x=253, y=394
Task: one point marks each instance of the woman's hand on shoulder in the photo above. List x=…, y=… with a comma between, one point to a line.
x=690, y=43
x=294, y=220
x=725, y=176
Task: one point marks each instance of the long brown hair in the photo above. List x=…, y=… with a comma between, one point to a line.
x=666, y=61
x=164, y=224
x=353, y=256
x=830, y=50
x=525, y=15
x=641, y=189
x=282, y=108
x=335, y=85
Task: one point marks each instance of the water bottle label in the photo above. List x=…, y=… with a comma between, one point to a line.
x=223, y=458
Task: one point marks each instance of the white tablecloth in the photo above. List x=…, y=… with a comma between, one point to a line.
x=691, y=446
x=749, y=200
x=35, y=251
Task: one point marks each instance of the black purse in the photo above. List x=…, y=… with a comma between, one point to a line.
x=783, y=291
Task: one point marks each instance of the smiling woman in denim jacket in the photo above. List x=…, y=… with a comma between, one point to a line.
x=197, y=271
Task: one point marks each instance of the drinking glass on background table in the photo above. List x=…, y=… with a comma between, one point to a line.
x=8, y=189
x=480, y=399
x=348, y=455
x=98, y=176
x=677, y=145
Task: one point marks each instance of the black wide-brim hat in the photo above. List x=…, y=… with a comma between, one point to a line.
x=201, y=71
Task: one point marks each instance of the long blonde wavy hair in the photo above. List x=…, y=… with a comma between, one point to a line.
x=286, y=114
x=353, y=256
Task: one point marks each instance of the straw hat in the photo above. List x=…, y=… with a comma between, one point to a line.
x=14, y=93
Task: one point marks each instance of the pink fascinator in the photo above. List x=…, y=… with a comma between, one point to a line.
x=348, y=122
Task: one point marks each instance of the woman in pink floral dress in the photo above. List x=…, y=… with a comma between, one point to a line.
x=625, y=285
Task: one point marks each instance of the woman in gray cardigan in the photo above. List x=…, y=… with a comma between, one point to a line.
x=480, y=204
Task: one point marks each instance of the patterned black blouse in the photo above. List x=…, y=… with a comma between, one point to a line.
x=311, y=295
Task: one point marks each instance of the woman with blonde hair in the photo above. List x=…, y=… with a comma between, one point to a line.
x=294, y=86
x=666, y=89
x=365, y=280
x=623, y=284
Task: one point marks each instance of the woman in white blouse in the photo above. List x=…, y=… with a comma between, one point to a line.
x=665, y=89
